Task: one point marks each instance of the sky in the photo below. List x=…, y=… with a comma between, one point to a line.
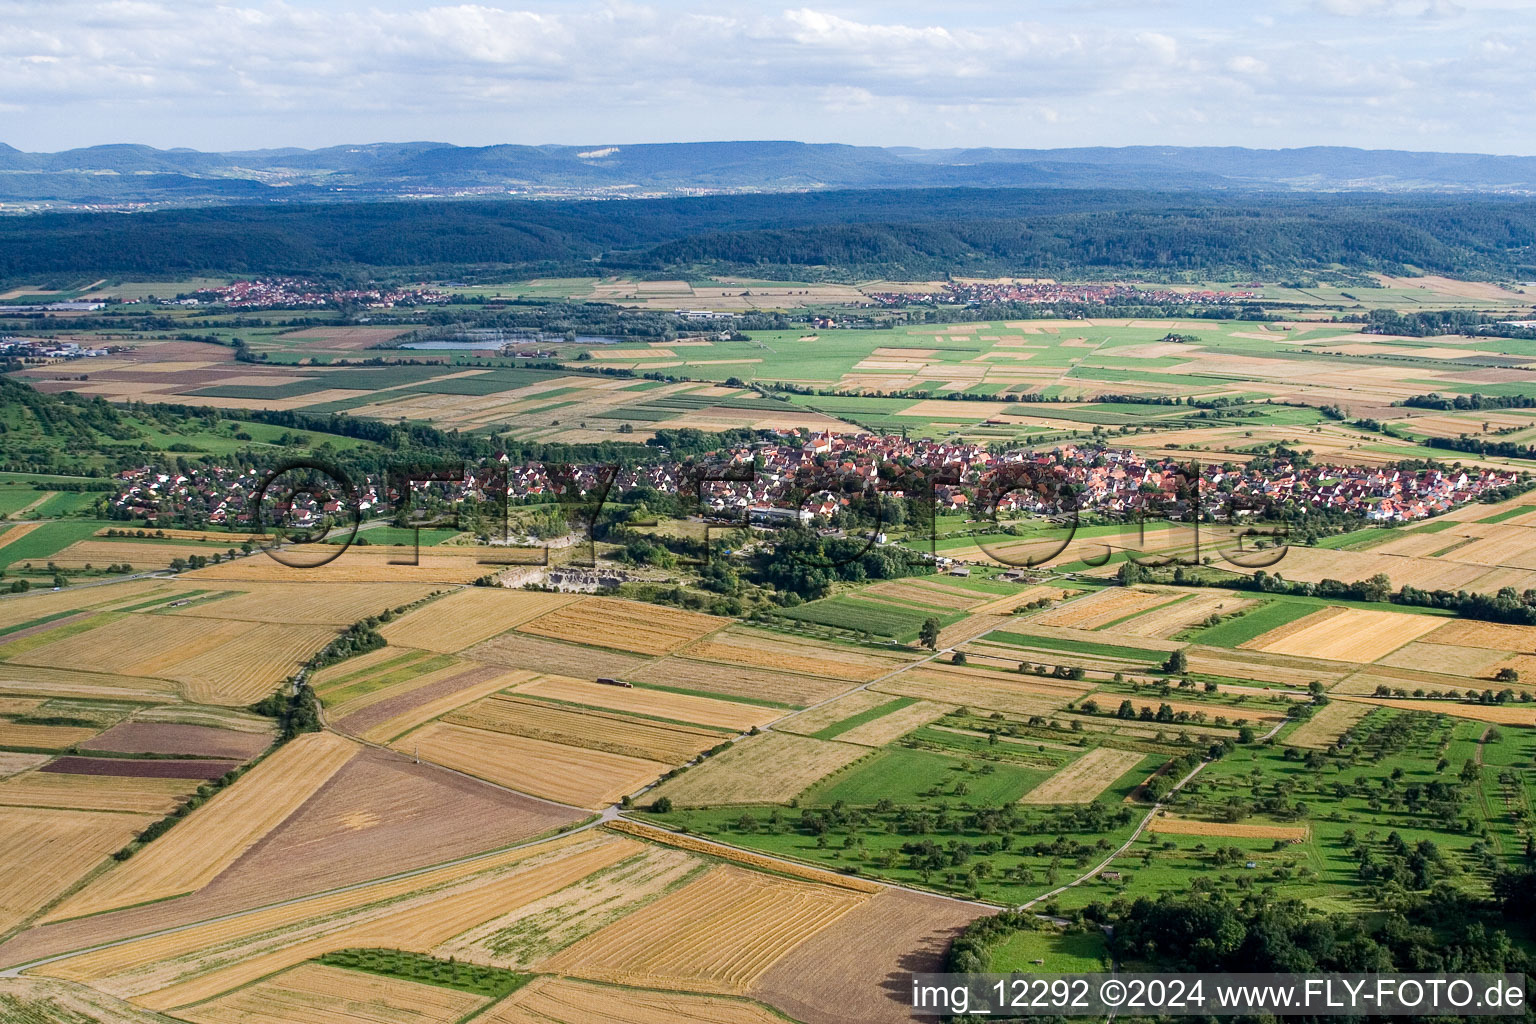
x=1452, y=75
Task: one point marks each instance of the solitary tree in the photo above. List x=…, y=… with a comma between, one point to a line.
x=929, y=634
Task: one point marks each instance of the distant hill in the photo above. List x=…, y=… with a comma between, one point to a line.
x=138, y=174
x=899, y=234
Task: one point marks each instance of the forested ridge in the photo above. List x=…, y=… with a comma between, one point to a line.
x=870, y=232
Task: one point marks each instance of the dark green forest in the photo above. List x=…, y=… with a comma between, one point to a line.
x=895, y=233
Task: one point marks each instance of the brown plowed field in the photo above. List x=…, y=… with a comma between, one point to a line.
x=568, y=1001
x=139, y=768
x=316, y=994
x=166, y=738
x=855, y=971
x=412, y=705
x=215, y=835
x=415, y=914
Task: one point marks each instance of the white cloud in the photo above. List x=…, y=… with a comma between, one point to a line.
x=270, y=72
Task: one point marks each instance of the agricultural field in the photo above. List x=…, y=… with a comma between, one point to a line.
x=778, y=808
x=620, y=625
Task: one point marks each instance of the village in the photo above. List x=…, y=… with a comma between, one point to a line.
x=801, y=478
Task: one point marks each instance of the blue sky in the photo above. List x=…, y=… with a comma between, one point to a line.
x=238, y=74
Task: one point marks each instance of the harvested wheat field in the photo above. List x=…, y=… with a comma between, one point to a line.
x=916, y=590
x=758, y=683
x=623, y=625
x=36, y=605
x=138, y=555
x=135, y=645
x=568, y=1001
x=978, y=687
x=215, y=835
x=612, y=731
x=1448, y=659
x=41, y=1001
x=42, y=737
x=414, y=913
x=308, y=603
x=316, y=994
x=1166, y=620
x=531, y=933
x=373, y=564
x=832, y=712
x=1498, y=714
x=770, y=768
x=246, y=668
x=94, y=792
x=679, y=707
x=1106, y=606
x=554, y=771
x=855, y=971
x=1491, y=635
x=61, y=682
x=1346, y=634
x=391, y=713
x=742, y=645
x=1084, y=779
x=516, y=650
x=1189, y=827
x=469, y=616
x=716, y=934
x=879, y=731
x=14, y=764
x=969, y=628
x=1324, y=728
x=379, y=800
x=693, y=844
x=45, y=851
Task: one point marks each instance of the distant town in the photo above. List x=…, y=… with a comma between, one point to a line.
x=802, y=478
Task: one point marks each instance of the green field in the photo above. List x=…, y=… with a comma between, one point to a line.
x=1253, y=623
x=1052, y=952
x=47, y=540
x=908, y=776
x=856, y=614
x=868, y=715
x=1049, y=643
